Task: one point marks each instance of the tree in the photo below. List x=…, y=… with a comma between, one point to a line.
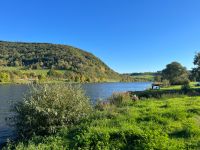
x=195, y=74
x=176, y=74
x=158, y=78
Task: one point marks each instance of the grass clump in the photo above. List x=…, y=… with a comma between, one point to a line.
x=48, y=108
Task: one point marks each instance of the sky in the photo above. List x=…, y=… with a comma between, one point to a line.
x=128, y=35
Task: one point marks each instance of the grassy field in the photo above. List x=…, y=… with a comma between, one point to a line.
x=37, y=72
x=161, y=124
x=192, y=85
x=144, y=77
x=21, y=77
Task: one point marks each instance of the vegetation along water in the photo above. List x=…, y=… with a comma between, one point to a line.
x=45, y=120
x=61, y=116
x=11, y=93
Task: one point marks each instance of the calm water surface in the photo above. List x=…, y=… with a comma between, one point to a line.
x=13, y=93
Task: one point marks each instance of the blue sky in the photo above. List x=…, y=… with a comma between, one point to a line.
x=128, y=35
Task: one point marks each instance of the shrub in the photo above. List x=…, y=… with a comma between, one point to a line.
x=119, y=98
x=101, y=105
x=166, y=83
x=41, y=77
x=32, y=75
x=47, y=108
x=4, y=77
x=181, y=81
x=185, y=88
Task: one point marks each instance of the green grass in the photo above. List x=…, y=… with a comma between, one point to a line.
x=10, y=68
x=152, y=124
x=167, y=123
x=144, y=77
x=37, y=71
x=176, y=87
x=21, y=80
x=41, y=71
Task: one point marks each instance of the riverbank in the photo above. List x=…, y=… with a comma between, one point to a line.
x=95, y=91
x=151, y=124
x=50, y=81
x=126, y=122
x=172, y=91
x=21, y=75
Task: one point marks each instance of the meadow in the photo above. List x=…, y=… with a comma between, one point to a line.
x=177, y=87
x=166, y=123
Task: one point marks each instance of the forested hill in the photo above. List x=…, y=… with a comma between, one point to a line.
x=77, y=64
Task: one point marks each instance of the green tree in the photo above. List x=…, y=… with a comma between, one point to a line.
x=158, y=78
x=195, y=74
x=176, y=74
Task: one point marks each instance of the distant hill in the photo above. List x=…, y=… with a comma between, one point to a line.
x=77, y=64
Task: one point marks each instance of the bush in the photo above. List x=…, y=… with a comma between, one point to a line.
x=119, y=98
x=47, y=108
x=185, y=88
x=166, y=83
x=4, y=77
x=41, y=77
x=181, y=81
x=101, y=105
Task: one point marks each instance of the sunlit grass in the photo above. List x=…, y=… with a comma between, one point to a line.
x=176, y=87
x=36, y=71
x=144, y=77
x=167, y=123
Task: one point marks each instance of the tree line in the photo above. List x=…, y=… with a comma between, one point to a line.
x=176, y=74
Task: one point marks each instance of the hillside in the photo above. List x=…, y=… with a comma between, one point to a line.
x=75, y=64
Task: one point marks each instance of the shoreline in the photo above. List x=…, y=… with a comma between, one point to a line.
x=92, y=98
x=54, y=82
